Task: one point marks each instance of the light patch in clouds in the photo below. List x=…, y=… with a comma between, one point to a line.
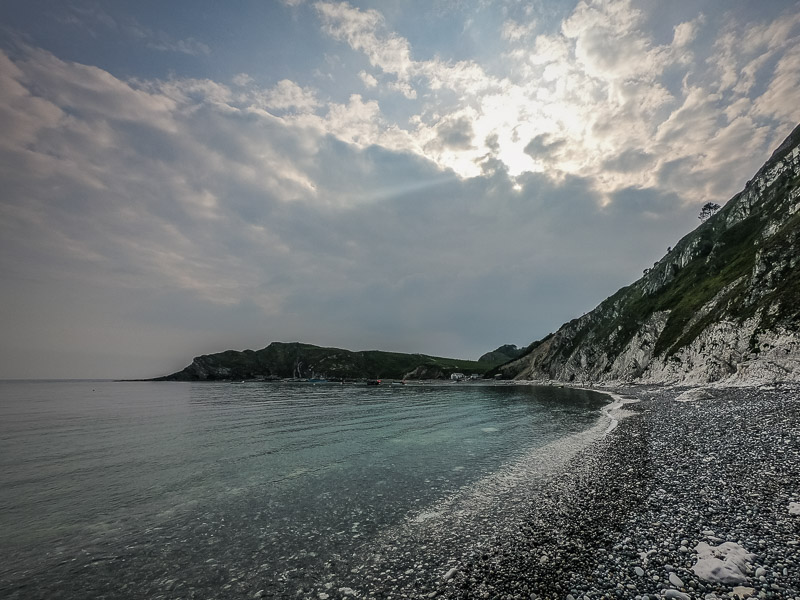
x=598, y=85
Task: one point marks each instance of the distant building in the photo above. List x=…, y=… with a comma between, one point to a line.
x=457, y=376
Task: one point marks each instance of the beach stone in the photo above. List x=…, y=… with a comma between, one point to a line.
x=675, y=580
x=450, y=574
x=676, y=595
x=725, y=563
x=639, y=571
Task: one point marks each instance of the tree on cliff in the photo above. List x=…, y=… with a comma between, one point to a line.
x=708, y=210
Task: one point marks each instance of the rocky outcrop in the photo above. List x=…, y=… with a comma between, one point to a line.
x=722, y=305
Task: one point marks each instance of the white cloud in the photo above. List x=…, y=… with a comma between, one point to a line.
x=288, y=95
x=365, y=31
x=514, y=31
x=368, y=79
x=242, y=79
x=685, y=33
x=188, y=46
x=777, y=101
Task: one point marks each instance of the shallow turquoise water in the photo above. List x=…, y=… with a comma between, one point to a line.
x=216, y=490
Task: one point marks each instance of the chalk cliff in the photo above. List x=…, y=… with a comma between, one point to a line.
x=722, y=305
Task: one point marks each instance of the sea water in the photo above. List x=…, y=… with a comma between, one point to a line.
x=218, y=490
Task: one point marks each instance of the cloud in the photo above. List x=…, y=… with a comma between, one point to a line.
x=685, y=33
x=456, y=133
x=391, y=215
x=543, y=145
x=365, y=31
x=288, y=95
x=368, y=79
x=598, y=86
x=178, y=192
x=159, y=41
x=242, y=79
x=514, y=31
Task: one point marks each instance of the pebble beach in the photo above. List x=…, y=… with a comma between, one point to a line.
x=694, y=493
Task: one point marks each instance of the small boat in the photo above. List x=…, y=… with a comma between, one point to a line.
x=373, y=381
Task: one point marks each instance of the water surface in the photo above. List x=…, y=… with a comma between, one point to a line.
x=222, y=490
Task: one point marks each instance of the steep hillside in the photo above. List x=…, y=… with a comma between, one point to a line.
x=502, y=354
x=723, y=304
x=287, y=360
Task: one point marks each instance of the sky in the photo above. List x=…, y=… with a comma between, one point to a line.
x=435, y=176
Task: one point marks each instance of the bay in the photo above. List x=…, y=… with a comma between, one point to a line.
x=123, y=489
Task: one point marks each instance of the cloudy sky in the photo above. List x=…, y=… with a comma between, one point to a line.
x=437, y=176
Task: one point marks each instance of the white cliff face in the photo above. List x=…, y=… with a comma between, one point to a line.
x=748, y=332
x=726, y=352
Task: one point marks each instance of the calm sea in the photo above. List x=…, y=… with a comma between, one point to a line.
x=180, y=490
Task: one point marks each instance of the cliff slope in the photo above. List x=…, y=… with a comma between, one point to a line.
x=287, y=360
x=723, y=304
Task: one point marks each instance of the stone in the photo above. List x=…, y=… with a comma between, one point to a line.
x=676, y=595
x=675, y=580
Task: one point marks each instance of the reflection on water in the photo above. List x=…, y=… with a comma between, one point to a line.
x=115, y=488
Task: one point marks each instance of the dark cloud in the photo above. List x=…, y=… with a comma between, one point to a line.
x=456, y=134
x=544, y=145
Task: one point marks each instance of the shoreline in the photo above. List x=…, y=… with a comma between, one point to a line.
x=430, y=553
x=665, y=477
x=722, y=468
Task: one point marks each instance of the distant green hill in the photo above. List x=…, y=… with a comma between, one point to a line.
x=287, y=360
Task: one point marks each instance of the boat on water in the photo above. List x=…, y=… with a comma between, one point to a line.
x=373, y=381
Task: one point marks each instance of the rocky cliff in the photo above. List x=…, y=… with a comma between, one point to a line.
x=723, y=304
x=296, y=360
